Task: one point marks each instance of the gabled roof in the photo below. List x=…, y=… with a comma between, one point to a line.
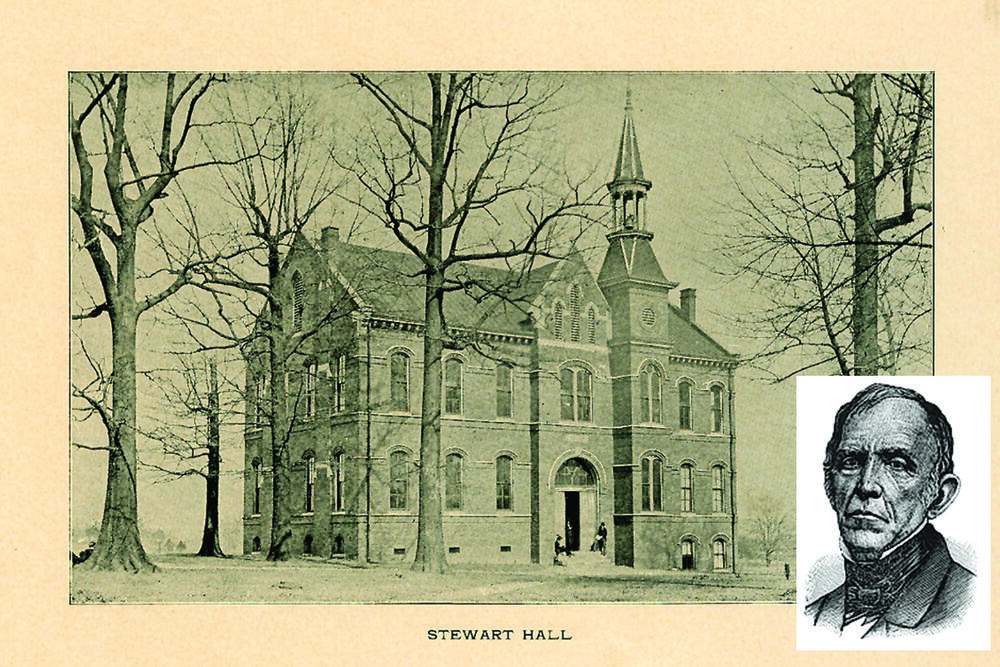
x=392, y=284
x=689, y=340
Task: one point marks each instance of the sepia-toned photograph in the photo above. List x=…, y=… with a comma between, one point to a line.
x=499, y=337
x=904, y=466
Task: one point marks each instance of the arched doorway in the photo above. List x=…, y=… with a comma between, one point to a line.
x=576, y=503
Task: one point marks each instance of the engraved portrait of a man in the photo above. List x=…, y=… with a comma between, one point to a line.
x=888, y=473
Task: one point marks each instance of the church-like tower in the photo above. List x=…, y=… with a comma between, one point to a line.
x=637, y=293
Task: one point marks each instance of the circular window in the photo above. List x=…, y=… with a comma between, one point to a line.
x=648, y=317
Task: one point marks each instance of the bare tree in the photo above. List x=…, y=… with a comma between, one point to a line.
x=836, y=230
x=108, y=125
x=462, y=183
x=770, y=527
x=193, y=394
x=283, y=180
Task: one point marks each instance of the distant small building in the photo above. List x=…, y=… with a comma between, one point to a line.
x=598, y=401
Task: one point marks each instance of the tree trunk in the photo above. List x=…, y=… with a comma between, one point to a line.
x=430, y=555
x=119, y=546
x=864, y=318
x=210, y=535
x=430, y=531
x=281, y=478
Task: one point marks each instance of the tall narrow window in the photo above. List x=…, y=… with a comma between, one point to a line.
x=399, y=382
x=505, y=391
x=652, y=484
x=310, y=481
x=583, y=395
x=398, y=480
x=684, y=403
x=718, y=496
x=576, y=394
x=339, y=376
x=257, y=483
x=505, y=496
x=650, y=384
x=716, y=409
x=337, y=477
x=298, y=300
x=310, y=393
x=453, y=482
x=591, y=325
x=453, y=386
x=719, y=554
x=260, y=396
x=574, y=313
x=557, y=320
x=686, y=488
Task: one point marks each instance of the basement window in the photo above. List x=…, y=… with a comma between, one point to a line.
x=399, y=551
x=454, y=550
x=504, y=548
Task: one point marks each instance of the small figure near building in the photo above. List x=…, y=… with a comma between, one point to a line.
x=601, y=541
x=559, y=549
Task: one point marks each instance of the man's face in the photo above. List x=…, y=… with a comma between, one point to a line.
x=883, y=477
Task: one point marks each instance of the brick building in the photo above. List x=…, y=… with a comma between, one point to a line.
x=605, y=403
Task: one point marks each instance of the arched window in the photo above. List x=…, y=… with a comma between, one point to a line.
x=574, y=313
x=257, y=483
x=716, y=409
x=557, y=320
x=652, y=484
x=591, y=325
x=298, y=300
x=337, y=477
x=399, y=382
x=719, y=554
x=255, y=546
x=505, y=491
x=399, y=483
x=575, y=473
x=687, y=554
x=310, y=481
x=505, y=391
x=684, y=403
x=650, y=392
x=453, y=482
x=576, y=387
x=718, y=495
x=453, y=386
x=687, y=487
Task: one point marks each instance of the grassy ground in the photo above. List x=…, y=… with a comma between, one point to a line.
x=244, y=579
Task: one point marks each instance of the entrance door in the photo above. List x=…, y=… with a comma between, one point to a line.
x=687, y=555
x=572, y=520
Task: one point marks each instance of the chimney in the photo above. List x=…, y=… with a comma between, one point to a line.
x=330, y=238
x=687, y=304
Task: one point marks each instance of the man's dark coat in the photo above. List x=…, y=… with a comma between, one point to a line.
x=934, y=598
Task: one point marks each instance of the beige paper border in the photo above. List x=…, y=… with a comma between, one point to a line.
x=42, y=40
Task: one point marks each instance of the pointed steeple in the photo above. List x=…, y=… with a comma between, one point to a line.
x=628, y=186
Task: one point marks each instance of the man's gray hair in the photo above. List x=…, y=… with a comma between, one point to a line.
x=868, y=398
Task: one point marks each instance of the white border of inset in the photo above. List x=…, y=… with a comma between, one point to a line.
x=965, y=401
